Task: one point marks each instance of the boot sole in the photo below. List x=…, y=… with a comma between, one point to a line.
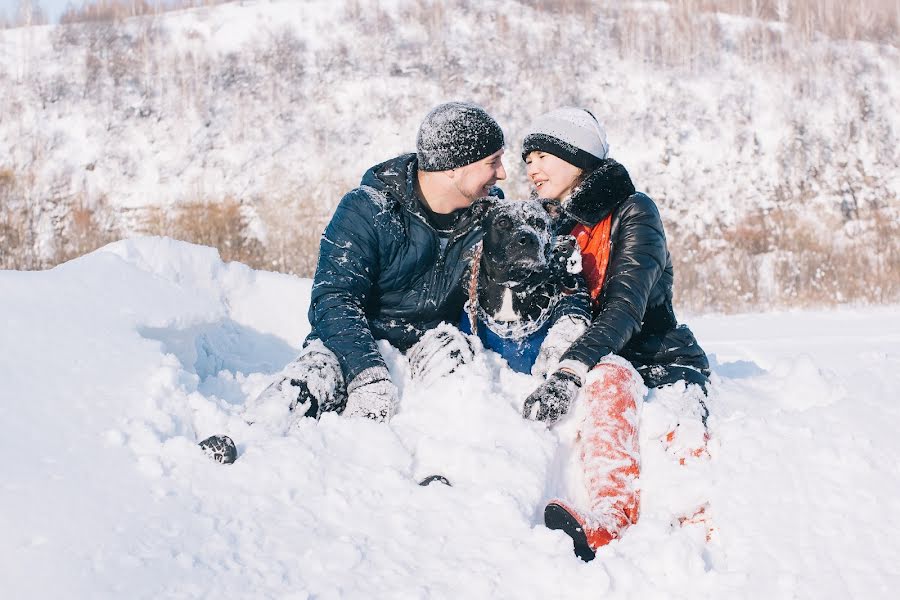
x=435, y=479
x=220, y=448
x=557, y=517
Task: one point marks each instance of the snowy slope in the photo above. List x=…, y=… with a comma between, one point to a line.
x=283, y=102
x=115, y=364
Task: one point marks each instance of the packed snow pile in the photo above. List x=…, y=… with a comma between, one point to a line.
x=116, y=364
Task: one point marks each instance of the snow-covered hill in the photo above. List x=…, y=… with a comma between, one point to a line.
x=115, y=364
x=282, y=105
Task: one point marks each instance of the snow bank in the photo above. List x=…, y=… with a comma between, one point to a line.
x=115, y=364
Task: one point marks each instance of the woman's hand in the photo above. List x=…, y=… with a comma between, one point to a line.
x=551, y=400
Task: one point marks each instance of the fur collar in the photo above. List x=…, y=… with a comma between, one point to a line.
x=601, y=192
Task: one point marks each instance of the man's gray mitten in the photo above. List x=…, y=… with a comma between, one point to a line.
x=372, y=394
x=551, y=400
x=439, y=353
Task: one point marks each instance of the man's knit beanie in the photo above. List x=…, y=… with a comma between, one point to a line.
x=572, y=134
x=456, y=134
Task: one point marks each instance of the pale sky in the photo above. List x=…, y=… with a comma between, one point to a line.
x=52, y=8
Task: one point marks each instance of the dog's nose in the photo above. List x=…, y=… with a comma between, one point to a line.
x=525, y=239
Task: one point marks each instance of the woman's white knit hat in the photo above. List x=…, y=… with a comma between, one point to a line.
x=572, y=134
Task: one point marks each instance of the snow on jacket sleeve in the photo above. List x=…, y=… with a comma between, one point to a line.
x=345, y=274
x=637, y=262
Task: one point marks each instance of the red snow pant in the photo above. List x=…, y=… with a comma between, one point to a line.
x=609, y=451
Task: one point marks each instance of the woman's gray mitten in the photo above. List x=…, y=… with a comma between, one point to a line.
x=551, y=400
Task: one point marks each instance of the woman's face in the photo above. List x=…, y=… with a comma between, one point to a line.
x=552, y=177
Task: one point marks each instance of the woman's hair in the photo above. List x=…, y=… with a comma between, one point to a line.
x=582, y=175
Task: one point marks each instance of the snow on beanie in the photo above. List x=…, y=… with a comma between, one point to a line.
x=572, y=134
x=456, y=134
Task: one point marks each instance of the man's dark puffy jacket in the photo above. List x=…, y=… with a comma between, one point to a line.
x=633, y=315
x=382, y=273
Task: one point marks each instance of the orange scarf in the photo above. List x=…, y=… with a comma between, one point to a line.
x=594, y=244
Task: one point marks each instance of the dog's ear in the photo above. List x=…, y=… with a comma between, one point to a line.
x=481, y=206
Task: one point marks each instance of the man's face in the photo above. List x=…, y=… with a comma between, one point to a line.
x=474, y=181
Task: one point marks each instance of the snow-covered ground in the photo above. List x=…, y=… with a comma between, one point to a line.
x=115, y=364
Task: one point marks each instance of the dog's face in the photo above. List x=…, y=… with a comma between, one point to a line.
x=517, y=240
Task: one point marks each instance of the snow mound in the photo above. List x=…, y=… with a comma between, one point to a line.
x=117, y=363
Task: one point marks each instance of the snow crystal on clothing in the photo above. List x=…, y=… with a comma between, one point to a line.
x=455, y=134
x=379, y=198
x=574, y=264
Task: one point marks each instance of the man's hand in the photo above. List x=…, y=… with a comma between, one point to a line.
x=551, y=400
x=439, y=353
x=372, y=394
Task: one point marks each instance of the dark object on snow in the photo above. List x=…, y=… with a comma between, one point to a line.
x=557, y=517
x=435, y=478
x=633, y=315
x=552, y=398
x=383, y=272
x=455, y=134
x=519, y=285
x=220, y=448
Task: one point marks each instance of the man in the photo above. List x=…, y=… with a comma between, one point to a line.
x=391, y=263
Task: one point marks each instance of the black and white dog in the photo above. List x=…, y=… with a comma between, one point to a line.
x=527, y=300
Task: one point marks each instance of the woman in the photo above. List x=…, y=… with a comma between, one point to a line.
x=629, y=272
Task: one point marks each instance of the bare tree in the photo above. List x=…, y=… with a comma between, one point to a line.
x=29, y=12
